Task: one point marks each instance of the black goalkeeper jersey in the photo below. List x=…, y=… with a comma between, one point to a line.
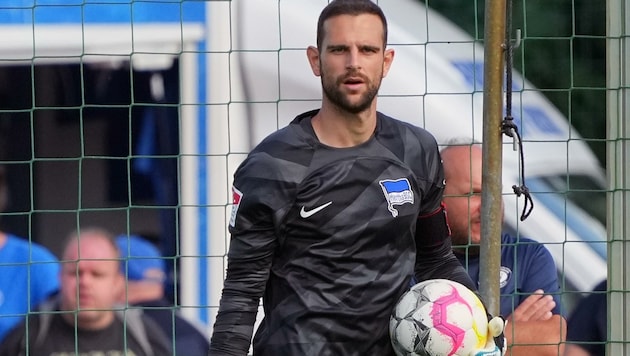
x=326, y=236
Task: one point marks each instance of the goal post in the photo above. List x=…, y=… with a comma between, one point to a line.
x=618, y=97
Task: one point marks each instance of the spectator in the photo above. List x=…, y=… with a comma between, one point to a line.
x=528, y=276
x=144, y=267
x=28, y=273
x=85, y=319
x=588, y=325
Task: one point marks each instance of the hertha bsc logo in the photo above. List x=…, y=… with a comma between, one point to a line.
x=397, y=192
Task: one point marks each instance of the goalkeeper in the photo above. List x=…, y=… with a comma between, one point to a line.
x=530, y=297
x=334, y=213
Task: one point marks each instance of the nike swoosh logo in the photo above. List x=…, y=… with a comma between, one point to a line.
x=307, y=214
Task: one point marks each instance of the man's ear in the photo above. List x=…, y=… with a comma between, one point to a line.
x=387, y=61
x=312, y=53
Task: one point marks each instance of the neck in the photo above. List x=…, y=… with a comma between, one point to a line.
x=105, y=319
x=471, y=251
x=341, y=129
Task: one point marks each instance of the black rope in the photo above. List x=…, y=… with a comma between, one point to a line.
x=510, y=129
x=508, y=126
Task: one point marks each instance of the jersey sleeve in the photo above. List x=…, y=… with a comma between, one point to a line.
x=258, y=198
x=430, y=173
x=434, y=253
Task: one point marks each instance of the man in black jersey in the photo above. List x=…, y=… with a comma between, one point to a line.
x=334, y=213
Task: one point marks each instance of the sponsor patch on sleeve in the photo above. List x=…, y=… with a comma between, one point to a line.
x=236, y=202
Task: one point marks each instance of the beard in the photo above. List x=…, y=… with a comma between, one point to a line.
x=462, y=244
x=332, y=91
x=470, y=250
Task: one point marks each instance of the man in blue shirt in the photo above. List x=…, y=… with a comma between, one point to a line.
x=588, y=324
x=29, y=273
x=529, y=288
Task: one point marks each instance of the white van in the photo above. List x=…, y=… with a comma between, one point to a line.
x=436, y=82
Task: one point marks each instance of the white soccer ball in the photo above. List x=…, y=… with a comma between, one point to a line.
x=438, y=317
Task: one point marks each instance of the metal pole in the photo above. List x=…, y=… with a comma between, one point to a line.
x=618, y=168
x=491, y=199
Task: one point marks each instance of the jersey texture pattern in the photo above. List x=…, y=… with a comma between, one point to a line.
x=326, y=236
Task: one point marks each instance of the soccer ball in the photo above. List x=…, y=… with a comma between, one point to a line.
x=438, y=317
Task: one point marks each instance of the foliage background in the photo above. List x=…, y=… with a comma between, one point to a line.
x=563, y=53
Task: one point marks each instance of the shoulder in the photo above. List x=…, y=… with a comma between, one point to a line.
x=524, y=246
x=150, y=323
x=278, y=162
x=298, y=134
x=290, y=146
x=521, y=242
x=144, y=330
x=602, y=286
x=186, y=330
x=597, y=294
x=413, y=145
x=410, y=133
x=23, y=249
x=155, y=335
x=525, y=251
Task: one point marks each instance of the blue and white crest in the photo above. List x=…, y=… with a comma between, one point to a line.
x=505, y=274
x=397, y=192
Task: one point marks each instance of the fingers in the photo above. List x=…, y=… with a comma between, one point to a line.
x=537, y=306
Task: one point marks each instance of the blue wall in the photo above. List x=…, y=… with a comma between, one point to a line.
x=100, y=11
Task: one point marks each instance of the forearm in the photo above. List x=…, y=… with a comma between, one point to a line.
x=447, y=267
x=525, y=338
x=232, y=333
x=244, y=285
x=439, y=262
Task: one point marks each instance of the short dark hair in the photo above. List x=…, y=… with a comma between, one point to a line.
x=349, y=7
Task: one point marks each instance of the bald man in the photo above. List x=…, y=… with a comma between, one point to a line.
x=87, y=319
x=529, y=288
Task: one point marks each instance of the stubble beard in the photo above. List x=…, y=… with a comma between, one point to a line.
x=335, y=95
x=462, y=244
